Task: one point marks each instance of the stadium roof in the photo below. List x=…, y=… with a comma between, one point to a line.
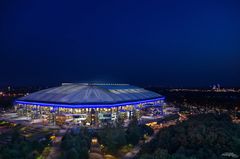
x=90, y=94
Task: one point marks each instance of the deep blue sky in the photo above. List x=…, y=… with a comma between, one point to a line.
x=149, y=42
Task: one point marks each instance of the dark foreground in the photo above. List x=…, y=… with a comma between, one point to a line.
x=200, y=137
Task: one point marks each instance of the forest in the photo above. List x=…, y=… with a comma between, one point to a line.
x=204, y=136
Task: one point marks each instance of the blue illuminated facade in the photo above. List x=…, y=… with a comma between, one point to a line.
x=19, y=102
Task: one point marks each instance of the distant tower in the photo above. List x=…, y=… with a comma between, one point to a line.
x=9, y=88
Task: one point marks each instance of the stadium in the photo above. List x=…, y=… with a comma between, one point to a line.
x=90, y=104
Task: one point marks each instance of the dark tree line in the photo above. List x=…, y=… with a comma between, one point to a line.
x=20, y=148
x=75, y=145
x=200, y=137
x=114, y=138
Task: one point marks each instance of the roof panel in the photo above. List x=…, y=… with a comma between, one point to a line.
x=75, y=93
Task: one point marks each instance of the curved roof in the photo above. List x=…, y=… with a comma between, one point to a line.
x=83, y=93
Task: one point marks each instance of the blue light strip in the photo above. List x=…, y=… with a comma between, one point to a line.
x=86, y=106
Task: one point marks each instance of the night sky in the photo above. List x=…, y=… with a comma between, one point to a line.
x=151, y=42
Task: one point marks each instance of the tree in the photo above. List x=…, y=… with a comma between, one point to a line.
x=147, y=130
x=134, y=132
x=76, y=143
x=83, y=153
x=119, y=122
x=200, y=137
x=113, y=139
x=33, y=154
x=72, y=154
x=146, y=156
x=161, y=154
